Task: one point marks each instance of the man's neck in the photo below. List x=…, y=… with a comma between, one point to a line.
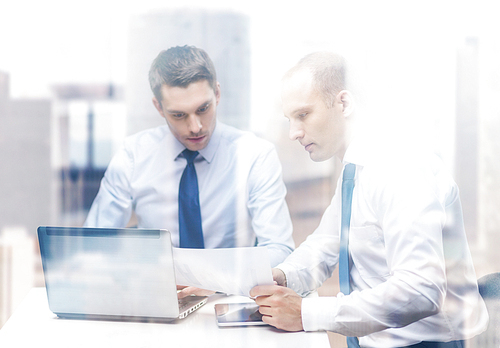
x=347, y=141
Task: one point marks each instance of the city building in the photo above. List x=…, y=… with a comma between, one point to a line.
x=17, y=269
x=26, y=191
x=26, y=179
x=89, y=126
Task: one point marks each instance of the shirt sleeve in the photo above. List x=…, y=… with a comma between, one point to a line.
x=112, y=206
x=410, y=208
x=271, y=220
x=315, y=260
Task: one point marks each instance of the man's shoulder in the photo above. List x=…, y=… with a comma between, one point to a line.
x=401, y=161
x=232, y=136
x=146, y=139
x=147, y=144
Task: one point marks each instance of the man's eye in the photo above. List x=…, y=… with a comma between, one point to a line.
x=203, y=109
x=304, y=114
x=178, y=115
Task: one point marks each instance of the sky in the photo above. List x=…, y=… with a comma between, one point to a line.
x=404, y=49
x=54, y=41
x=45, y=42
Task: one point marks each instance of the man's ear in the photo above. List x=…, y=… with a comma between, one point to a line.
x=158, y=107
x=346, y=100
x=217, y=94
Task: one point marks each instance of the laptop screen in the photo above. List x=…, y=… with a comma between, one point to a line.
x=109, y=271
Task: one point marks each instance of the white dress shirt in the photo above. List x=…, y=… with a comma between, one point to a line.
x=242, y=194
x=412, y=274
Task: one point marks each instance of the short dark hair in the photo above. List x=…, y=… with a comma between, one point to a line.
x=180, y=66
x=329, y=73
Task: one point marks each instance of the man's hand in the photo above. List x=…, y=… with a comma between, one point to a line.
x=191, y=290
x=280, y=306
x=279, y=277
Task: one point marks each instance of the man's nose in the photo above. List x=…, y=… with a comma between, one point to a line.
x=194, y=124
x=296, y=131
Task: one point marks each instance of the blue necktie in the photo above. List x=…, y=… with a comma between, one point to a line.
x=344, y=277
x=190, y=231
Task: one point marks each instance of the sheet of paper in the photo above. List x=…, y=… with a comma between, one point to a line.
x=232, y=271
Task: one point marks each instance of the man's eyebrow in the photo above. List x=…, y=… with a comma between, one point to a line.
x=208, y=102
x=175, y=112
x=301, y=109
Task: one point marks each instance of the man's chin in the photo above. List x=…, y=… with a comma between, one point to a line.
x=317, y=157
x=197, y=145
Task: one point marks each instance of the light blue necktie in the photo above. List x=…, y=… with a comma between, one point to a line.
x=344, y=269
x=190, y=231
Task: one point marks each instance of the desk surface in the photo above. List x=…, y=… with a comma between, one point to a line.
x=34, y=325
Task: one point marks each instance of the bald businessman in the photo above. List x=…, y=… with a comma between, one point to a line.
x=394, y=226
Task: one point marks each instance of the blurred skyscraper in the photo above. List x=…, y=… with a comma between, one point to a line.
x=17, y=266
x=486, y=52
x=88, y=128
x=26, y=178
x=223, y=35
x=467, y=134
x=477, y=166
x=27, y=196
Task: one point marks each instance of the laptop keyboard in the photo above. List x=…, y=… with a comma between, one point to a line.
x=183, y=304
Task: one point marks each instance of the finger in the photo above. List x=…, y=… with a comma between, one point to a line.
x=263, y=290
x=193, y=291
x=279, y=276
x=266, y=310
x=268, y=320
x=190, y=290
x=204, y=292
x=181, y=295
x=262, y=301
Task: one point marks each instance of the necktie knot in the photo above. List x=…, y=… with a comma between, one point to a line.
x=189, y=155
x=349, y=171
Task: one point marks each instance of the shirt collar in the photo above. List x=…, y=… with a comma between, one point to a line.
x=369, y=145
x=356, y=152
x=208, y=152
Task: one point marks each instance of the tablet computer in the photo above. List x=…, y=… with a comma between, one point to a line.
x=238, y=314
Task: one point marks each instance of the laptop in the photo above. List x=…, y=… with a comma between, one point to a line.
x=111, y=273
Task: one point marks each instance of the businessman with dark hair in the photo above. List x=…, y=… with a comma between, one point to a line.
x=209, y=184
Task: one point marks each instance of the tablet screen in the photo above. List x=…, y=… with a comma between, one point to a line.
x=238, y=314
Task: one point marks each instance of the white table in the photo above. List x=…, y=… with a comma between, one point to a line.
x=34, y=325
